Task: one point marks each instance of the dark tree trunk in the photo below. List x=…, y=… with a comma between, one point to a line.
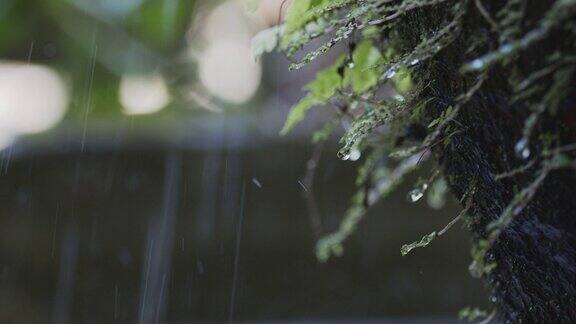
x=534, y=280
x=535, y=276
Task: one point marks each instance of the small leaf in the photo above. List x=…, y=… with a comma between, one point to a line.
x=297, y=113
x=471, y=314
x=321, y=89
x=327, y=82
x=403, y=81
x=362, y=75
x=437, y=194
x=296, y=15
x=301, y=12
x=265, y=41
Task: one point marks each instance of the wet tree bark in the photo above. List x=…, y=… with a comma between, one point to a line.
x=534, y=280
x=535, y=277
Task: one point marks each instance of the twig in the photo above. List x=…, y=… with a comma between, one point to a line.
x=486, y=14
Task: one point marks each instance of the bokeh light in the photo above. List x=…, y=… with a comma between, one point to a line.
x=143, y=94
x=233, y=78
x=33, y=98
x=226, y=66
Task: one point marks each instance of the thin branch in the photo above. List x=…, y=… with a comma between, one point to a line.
x=486, y=14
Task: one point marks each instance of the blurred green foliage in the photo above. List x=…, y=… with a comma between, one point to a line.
x=93, y=42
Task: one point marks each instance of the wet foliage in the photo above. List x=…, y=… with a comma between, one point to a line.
x=492, y=85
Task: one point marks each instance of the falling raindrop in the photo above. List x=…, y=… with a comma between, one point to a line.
x=256, y=182
x=302, y=185
x=200, y=266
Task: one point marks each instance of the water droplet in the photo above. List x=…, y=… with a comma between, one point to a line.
x=415, y=195
x=351, y=65
x=355, y=155
x=344, y=154
x=399, y=97
x=525, y=153
x=414, y=61
x=505, y=49
x=477, y=64
x=256, y=182
x=522, y=149
x=373, y=196
x=390, y=73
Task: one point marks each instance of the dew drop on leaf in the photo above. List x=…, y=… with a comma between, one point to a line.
x=415, y=195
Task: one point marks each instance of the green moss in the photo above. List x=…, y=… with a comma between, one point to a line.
x=415, y=47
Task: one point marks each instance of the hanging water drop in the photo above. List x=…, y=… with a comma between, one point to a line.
x=355, y=154
x=344, y=154
x=522, y=149
x=351, y=65
x=415, y=195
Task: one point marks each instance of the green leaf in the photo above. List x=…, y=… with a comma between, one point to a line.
x=303, y=11
x=265, y=41
x=327, y=82
x=362, y=74
x=403, y=81
x=471, y=314
x=436, y=197
x=296, y=15
x=321, y=89
x=298, y=112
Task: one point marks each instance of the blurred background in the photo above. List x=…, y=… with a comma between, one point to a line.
x=142, y=179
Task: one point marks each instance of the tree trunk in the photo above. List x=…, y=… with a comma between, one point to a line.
x=534, y=280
